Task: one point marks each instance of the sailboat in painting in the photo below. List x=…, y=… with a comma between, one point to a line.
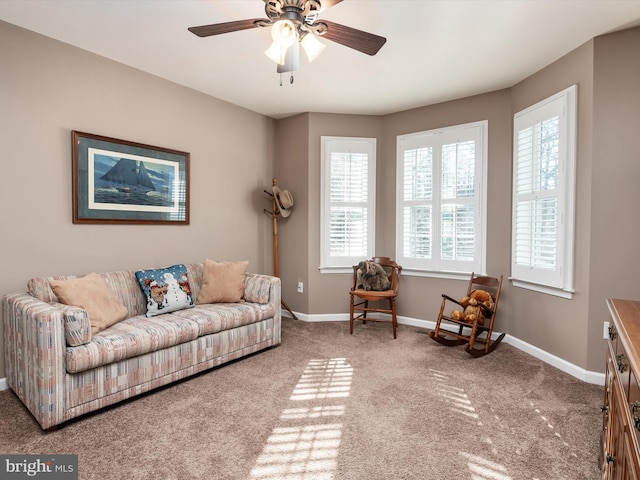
x=129, y=176
x=129, y=182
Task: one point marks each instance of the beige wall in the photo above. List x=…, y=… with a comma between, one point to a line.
x=568, y=329
x=615, y=196
x=48, y=89
x=293, y=235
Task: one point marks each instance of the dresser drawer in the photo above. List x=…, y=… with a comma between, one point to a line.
x=623, y=370
x=613, y=339
x=634, y=407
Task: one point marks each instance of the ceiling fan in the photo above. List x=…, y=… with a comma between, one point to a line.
x=294, y=23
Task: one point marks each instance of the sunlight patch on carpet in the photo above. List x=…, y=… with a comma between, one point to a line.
x=460, y=403
x=551, y=427
x=456, y=397
x=324, y=379
x=302, y=446
x=315, y=412
x=483, y=469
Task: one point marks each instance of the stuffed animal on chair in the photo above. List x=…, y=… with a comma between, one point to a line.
x=476, y=306
x=371, y=276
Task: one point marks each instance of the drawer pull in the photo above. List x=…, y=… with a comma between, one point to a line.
x=622, y=363
x=610, y=458
x=612, y=332
x=635, y=409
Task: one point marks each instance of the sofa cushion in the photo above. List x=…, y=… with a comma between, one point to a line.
x=126, y=286
x=166, y=289
x=213, y=318
x=222, y=282
x=129, y=338
x=92, y=294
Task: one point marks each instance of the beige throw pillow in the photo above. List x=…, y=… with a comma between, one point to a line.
x=222, y=282
x=93, y=294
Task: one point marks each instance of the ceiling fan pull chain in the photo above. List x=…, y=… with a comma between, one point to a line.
x=290, y=79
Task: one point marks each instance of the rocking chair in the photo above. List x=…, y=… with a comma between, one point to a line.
x=476, y=326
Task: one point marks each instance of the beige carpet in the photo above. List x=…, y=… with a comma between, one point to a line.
x=329, y=405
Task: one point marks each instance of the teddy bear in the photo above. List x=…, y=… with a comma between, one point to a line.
x=371, y=276
x=476, y=305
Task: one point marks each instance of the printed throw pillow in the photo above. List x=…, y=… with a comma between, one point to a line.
x=222, y=282
x=166, y=289
x=92, y=294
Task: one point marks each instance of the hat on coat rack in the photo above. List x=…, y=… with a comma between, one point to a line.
x=284, y=201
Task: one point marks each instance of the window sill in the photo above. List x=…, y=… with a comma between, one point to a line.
x=336, y=269
x=414, y=272
x=557, y=292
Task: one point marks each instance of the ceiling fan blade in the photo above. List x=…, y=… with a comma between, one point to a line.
x=226, y=27
x=353, y=38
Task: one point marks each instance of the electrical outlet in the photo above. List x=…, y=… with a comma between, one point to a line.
x=300, y=286
x=605, y=331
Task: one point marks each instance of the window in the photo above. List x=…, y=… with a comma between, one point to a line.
x=441, y=201
x=543, y=204
x=348, y=189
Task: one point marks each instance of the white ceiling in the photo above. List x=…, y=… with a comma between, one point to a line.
x=436, y=50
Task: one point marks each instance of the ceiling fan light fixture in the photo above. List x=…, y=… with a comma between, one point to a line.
x=312, y=46
x=291, y=59
x=276, y=53
x=284, y=33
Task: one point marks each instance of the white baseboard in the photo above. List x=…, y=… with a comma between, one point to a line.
x=3, y=384
x=595, y=378
x=573, y=370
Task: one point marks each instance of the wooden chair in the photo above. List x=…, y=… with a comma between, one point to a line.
x=359, y=310
x=468, y=333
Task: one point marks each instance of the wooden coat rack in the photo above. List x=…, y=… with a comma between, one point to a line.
x=274, y=215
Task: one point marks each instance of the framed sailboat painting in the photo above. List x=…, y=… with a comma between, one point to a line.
x=117, y=181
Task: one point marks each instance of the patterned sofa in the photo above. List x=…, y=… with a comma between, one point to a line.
x=60, y=370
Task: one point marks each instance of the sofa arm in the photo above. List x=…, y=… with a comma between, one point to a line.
x=261, y=288
x=266, y=289
x=34, y=354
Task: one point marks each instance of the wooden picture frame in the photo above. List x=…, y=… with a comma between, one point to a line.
x=122, y=182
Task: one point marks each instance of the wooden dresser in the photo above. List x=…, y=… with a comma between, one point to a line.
x=620, y=438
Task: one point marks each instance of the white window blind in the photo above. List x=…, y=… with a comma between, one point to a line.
x=441, y=176
x=348, y=201
x=543, y=194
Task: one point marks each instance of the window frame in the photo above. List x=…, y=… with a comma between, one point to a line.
x=436, y=138
x=333, y=144
x=560, y=280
